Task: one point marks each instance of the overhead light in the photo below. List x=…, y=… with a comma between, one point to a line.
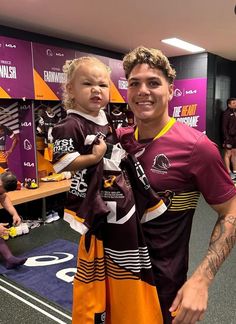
x=184, y=45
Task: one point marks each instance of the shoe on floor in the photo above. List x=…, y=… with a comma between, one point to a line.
x=49, y=218
x=55, y=215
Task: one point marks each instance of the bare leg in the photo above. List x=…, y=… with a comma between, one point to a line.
x=10, y=261
x=233, y=159
x=227, y=159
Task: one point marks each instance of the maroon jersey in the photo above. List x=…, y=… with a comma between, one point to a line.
x=113, y=260
x=46, y=124
x=177, y=166
x=229, y=127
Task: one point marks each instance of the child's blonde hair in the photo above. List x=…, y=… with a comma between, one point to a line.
x=69, y=69
x=151, y=56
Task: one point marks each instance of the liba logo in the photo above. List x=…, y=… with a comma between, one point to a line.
x=29, y=164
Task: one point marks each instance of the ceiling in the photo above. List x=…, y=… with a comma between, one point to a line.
x=122, y=25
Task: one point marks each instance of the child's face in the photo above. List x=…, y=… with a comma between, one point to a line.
x=90, y=88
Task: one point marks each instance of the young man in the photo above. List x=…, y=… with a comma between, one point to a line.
x=180, y=162
x=8, y=182
x=229, y=133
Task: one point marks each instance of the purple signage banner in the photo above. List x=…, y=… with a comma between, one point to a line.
x=27, y=142
x=16, y=72
x=188, y=105
x=48, y=62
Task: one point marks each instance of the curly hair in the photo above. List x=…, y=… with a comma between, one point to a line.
x=151, y=56
x=69, y=69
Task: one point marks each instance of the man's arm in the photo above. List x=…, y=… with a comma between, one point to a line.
x=191, y=300
x=8, y=206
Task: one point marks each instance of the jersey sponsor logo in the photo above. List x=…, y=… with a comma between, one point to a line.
x=161, y=164
x=79, y=185
x=63, y=146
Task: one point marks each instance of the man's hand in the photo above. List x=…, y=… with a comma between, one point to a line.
x=99, y=149
x=190, y=303
x=16, y=219
x=3, y=229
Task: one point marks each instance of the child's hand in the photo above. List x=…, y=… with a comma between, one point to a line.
x=3, y=229
x=99, y=149
x=16, y=219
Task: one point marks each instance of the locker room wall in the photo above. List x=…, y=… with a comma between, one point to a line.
x=221, y=84
x=39, y=38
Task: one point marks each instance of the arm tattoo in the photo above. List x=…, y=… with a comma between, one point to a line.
x=222, y=241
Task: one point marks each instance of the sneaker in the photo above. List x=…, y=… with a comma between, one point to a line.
x=25, y=228
x=49, y=218
x=55, y=215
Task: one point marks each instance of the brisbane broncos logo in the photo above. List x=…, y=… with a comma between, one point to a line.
x=161, y=164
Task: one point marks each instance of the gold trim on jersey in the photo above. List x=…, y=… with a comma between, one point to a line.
x=185, y=200
x=162, y=132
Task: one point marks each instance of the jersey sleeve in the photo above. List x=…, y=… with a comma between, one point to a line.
x=209, y=173
x=68, y=141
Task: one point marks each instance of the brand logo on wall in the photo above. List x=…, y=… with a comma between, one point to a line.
x=25, y=107
x=29, y=164
x=122, y=84
x=177, y=93
x=10, y=45
x=60, y=54
x=190, y=92
x=29, y=179
x=27, y=145
x=49, y=52
x=26, y=124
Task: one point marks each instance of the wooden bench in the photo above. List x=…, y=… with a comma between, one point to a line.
x=44, y=190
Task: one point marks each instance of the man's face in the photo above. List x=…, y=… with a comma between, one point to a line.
x=148, y=93
x=232, y=104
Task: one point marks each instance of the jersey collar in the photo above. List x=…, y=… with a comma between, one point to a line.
x=101, y=119
x=162, y=132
